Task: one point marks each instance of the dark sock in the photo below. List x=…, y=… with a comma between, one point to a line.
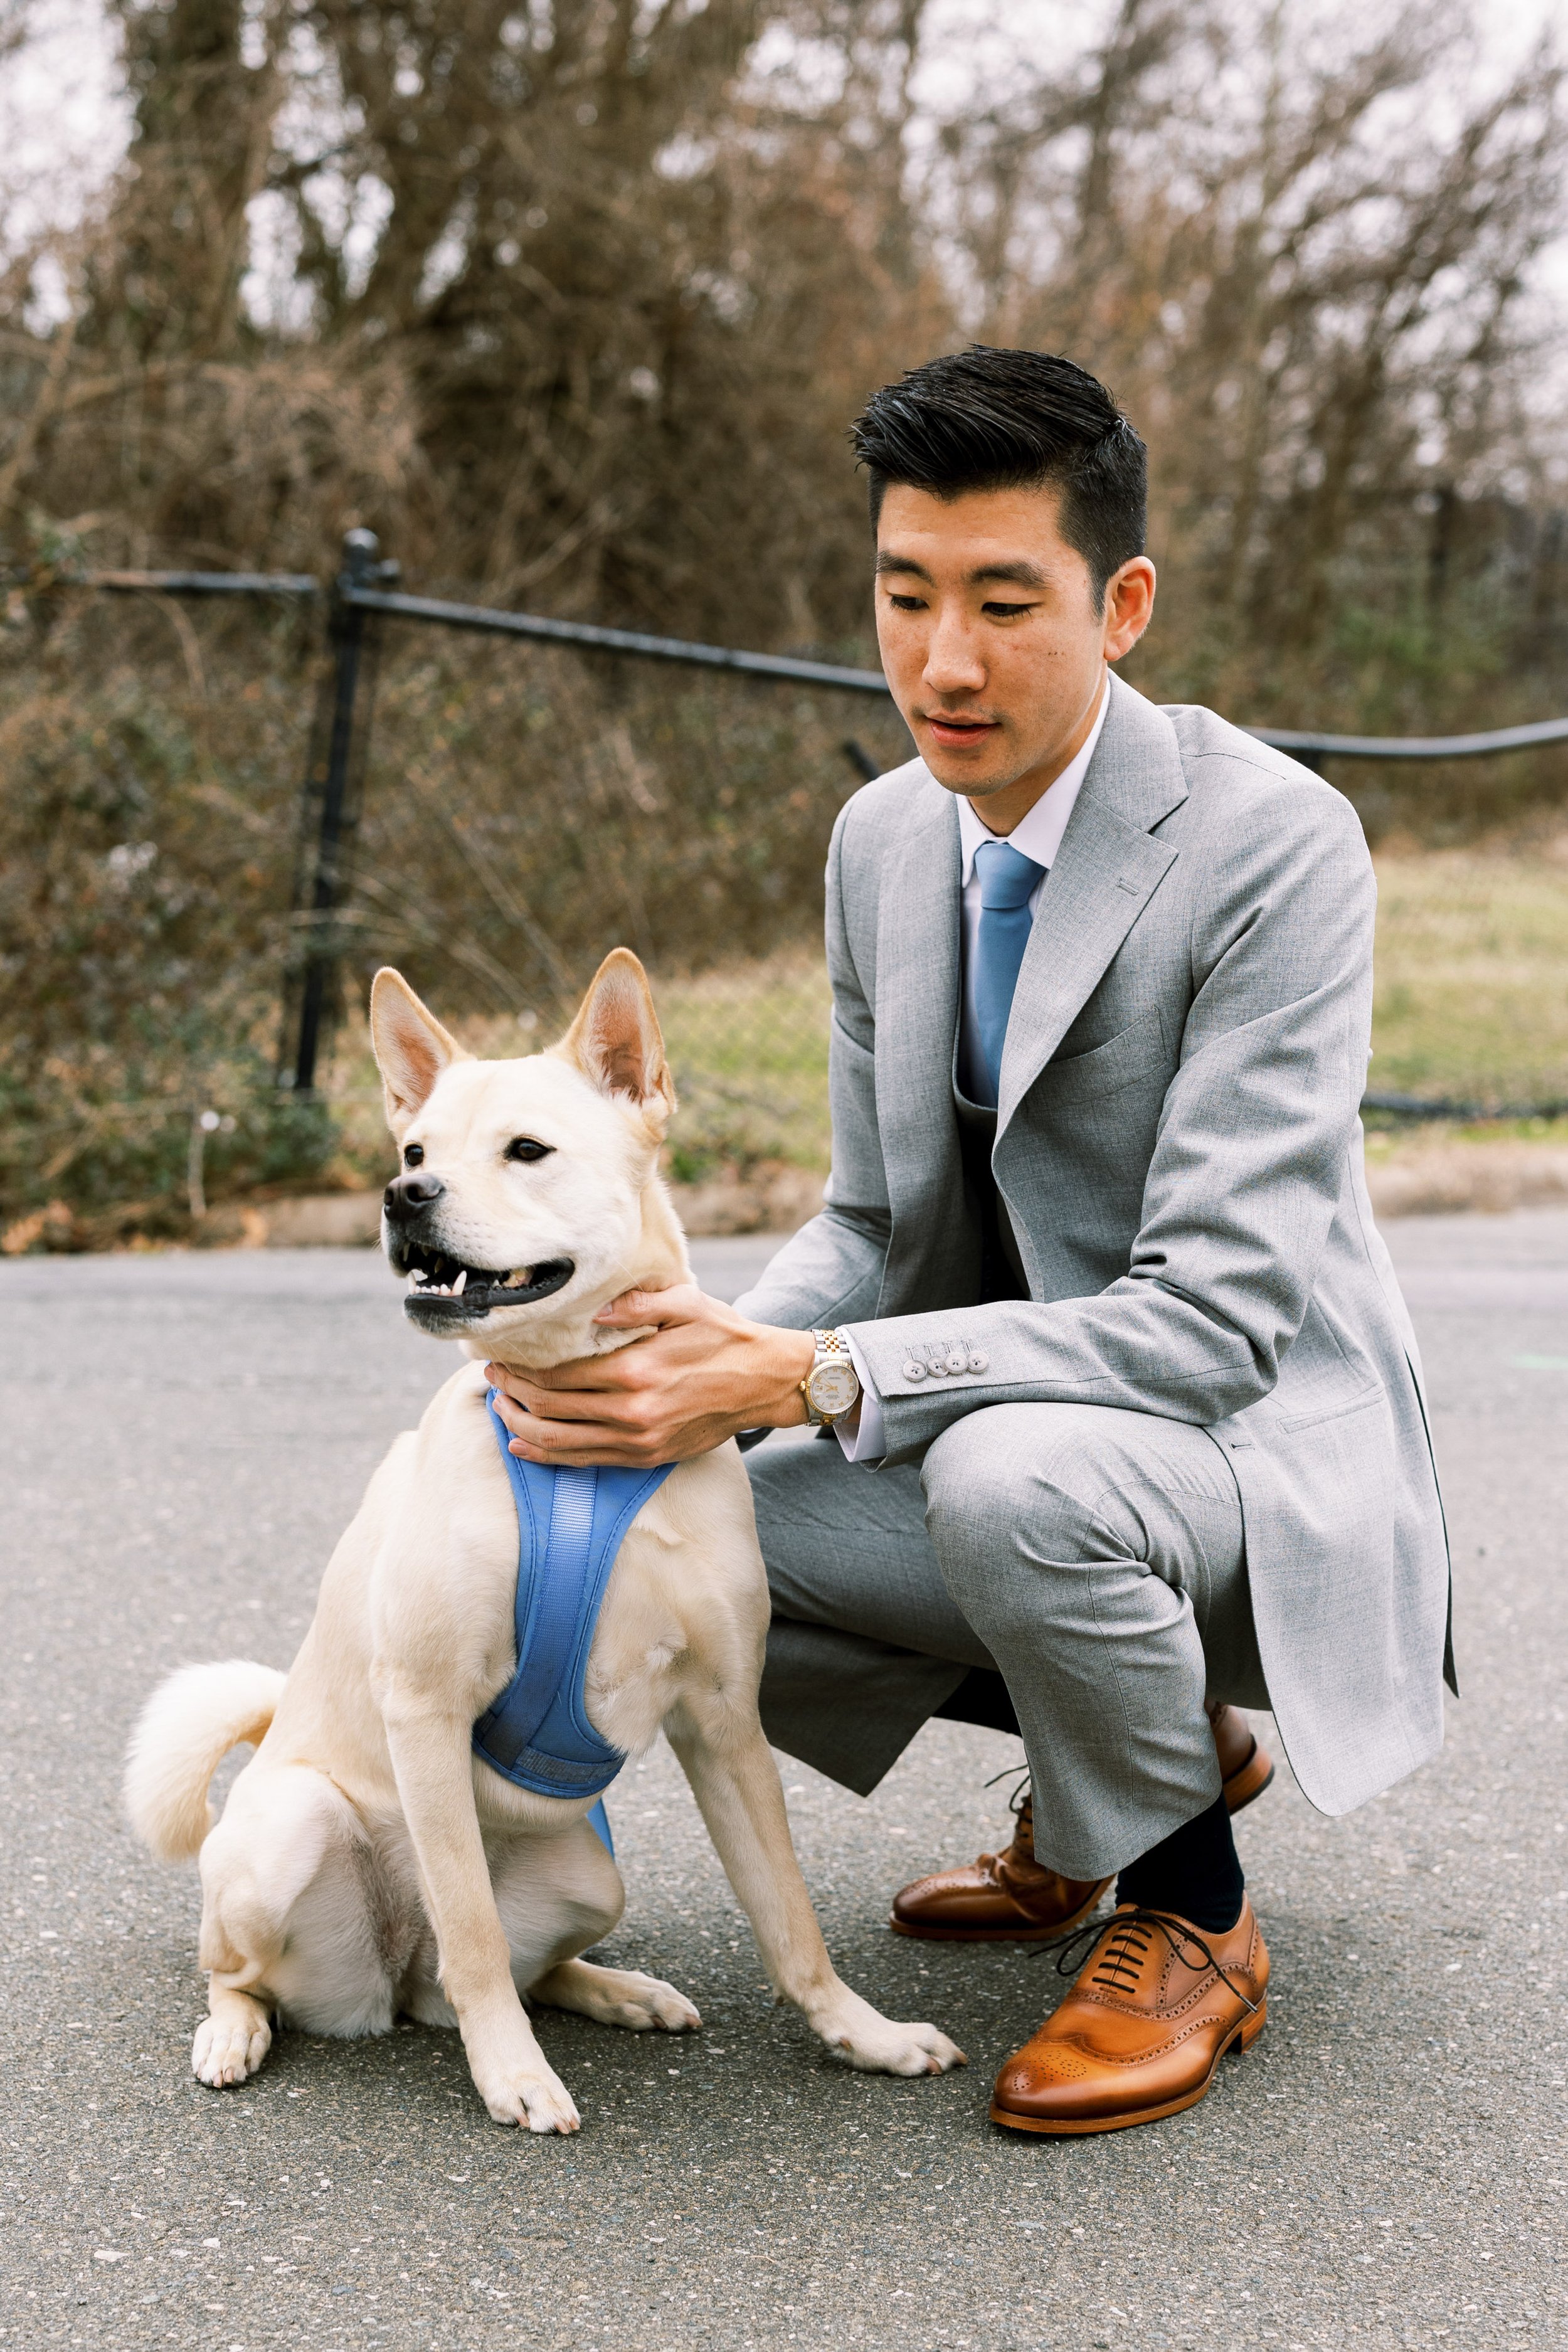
x=1196, y=1872
x=982, y=1697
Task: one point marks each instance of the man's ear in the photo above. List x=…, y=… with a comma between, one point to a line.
x=614, y=1041
x=411, y=1048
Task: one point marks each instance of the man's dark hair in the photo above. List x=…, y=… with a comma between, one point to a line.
x=1000, y=420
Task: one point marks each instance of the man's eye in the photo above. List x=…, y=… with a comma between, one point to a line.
x=523, y=1147
x=414, y=1157
x=906, y=604
x=1006, y=612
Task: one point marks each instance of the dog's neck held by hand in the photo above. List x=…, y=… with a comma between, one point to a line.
x=540, y=1341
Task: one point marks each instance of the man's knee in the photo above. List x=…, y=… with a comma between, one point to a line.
x=1029, y=1477
x=1063, y=1490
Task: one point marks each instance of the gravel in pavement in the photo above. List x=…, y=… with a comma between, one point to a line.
x=184, y=1438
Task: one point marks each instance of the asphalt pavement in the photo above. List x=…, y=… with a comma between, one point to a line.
x=181, y=1439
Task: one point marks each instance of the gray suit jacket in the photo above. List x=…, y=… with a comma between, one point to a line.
x=1179, y=1149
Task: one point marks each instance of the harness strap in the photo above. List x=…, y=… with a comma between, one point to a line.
x=571, y=1523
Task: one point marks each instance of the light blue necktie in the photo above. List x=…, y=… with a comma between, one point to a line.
x=1007, y=880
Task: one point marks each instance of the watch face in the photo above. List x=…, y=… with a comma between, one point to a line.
x=834, y=1387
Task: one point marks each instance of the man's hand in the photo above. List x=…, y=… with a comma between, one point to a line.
x=702, y=1373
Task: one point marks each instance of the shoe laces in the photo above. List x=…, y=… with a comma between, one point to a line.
x=1020, y=1793
x=1127, y=1940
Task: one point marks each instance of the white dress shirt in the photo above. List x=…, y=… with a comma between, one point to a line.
x=1037, y=835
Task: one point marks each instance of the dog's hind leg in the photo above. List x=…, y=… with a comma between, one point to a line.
x=284, y=1852
x=617, y=1997
x=555, y=1897
x=233, y=2039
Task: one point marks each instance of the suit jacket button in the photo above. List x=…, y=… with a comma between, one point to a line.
x=979, y=1363
x=957, y=1361
x=914, y=1372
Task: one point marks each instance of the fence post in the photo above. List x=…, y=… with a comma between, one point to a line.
x=346, y=628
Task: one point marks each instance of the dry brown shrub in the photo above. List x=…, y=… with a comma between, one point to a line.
x=625, y=289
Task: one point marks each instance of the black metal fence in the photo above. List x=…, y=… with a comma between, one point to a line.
x=364, y=594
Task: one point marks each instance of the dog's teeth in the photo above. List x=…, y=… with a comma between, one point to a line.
x=461, y=1284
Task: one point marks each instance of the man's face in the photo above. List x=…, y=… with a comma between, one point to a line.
x=991, y=639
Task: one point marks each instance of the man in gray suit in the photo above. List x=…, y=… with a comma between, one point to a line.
x=1096, y=1295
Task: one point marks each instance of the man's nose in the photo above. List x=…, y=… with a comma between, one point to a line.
x=954, y=661
x=408, y=1193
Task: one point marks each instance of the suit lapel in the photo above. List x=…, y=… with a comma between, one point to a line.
x=1106, y=871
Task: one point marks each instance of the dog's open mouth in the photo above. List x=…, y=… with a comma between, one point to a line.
x=443, y=1289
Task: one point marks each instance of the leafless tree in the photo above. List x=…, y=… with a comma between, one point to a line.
x=570, y=299
x=1302, y=252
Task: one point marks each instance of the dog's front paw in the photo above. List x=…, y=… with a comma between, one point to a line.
x=882, y=2045
x=529, y=2095
x=897, y=2048
x=228, y=2049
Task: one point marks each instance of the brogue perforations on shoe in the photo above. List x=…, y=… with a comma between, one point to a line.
x=1155, y=2006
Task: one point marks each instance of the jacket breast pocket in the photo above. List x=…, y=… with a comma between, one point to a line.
x=1135, y=1053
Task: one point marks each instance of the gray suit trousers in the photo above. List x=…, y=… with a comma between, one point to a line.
x=1094, y=1557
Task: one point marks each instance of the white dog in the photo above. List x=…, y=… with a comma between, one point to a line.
x=369, y=1861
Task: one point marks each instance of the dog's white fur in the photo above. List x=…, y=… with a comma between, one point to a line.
x=367, y=1862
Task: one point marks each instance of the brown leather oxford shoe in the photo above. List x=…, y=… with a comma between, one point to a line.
x=1246, y=1766
x=1153, y=2011
x=1011, y=1898
x=1003, y=1898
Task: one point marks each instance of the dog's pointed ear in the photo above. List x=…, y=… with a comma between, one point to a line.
x=616, y=1042
x=411, y=1048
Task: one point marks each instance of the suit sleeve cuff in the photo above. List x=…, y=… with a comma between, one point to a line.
x=867, y=1442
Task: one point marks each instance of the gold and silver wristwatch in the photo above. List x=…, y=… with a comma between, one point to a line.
x=832, y=1386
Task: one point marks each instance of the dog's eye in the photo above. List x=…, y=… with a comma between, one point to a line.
x=523, y=1147
x=414, y=1157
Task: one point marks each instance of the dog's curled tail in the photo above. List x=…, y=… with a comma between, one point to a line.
x=184, y=1733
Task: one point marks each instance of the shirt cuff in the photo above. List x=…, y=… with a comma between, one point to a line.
x=867, y=1443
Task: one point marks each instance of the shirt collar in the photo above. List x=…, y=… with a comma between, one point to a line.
x=1039, y=835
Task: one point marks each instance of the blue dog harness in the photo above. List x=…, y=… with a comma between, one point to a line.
x=570, y=1524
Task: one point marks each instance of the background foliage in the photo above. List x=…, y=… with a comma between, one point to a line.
x=571, y=301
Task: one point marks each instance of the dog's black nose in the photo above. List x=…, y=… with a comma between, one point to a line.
x=406, y=1196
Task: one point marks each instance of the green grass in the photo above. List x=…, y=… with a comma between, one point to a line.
x=1471, y=1002
x=749, y=1049
x=1471, y=996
